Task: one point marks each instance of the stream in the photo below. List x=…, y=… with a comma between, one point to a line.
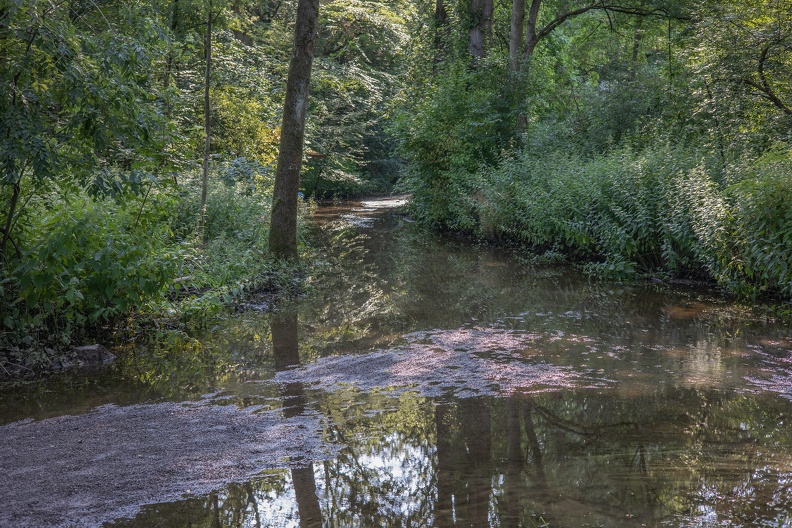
x=421, y=381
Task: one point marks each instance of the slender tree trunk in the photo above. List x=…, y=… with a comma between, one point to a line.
x=531, y=35
x=9, y=222
x=283, y=225
x=173, y=23
x=441, y=19
x=636, y=47
x=207, y=123
x=517, y=34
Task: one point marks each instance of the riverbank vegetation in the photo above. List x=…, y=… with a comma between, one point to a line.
x=640, y=138
x=138, y=143
x=137, y=148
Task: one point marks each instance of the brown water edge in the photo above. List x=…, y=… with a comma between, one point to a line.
x=439, y=384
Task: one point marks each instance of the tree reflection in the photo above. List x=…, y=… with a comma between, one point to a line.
x=285, y=347
x=464, y=463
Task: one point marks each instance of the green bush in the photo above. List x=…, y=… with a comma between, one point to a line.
x=89, y=261
x=85, y=262
x=664, y=210
x=463, y=120
x=760, y=228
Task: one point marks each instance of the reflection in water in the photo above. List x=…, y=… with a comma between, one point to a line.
x=464, y=475
x=285, y=348
x=449, y=377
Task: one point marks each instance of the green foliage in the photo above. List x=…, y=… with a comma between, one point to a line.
x=741, y=53
x=78, y=94
x=462, y=121
x=89, y=260
x=93, y=260
x=761, y=228
x=656, y=211
x=104, y=107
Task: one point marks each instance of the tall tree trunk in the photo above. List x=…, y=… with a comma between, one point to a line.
x=517, y=34
x=532, y=38
x=487, y=13
x=207, y=123
x=283, y=224
x=173, y=24
x=481, y=12
x=636, y=47
x=476, y=45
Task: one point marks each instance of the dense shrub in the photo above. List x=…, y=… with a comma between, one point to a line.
x=462, y=119
x=89, y=261
x=760, y=228
x=663, y=210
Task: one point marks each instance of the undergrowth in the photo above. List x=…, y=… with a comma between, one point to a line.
x=93, y=264
x=665, y=211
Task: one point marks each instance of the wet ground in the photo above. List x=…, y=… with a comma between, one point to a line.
x=421, y=381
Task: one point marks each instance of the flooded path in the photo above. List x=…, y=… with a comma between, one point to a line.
x=422, y=381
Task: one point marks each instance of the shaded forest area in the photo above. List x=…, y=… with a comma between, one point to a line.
x=138, y=141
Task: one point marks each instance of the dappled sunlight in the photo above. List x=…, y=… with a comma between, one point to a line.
x=476, y=339
x=463, y=362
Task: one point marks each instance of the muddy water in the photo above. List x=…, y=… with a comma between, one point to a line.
x=423, y=381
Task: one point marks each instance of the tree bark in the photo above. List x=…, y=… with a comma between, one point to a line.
x=487, y=13
x=283, y=224
x=532, y=37
x=517, y=34
x=207, y=123
x=441, y=19
x=476, y=45
x=9, y=222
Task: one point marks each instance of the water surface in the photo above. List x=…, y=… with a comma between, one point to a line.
x=426, y=381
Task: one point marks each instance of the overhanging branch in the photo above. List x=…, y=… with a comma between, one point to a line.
x=608, y=8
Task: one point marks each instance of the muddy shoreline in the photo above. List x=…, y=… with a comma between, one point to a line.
x=91, y=469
